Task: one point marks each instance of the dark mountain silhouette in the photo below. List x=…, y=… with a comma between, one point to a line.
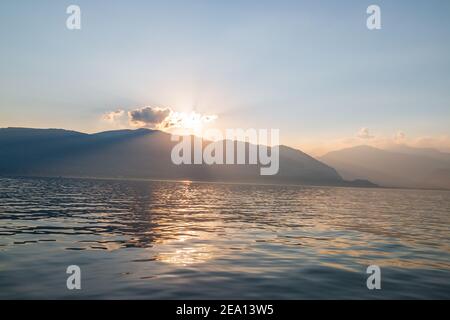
x=401, y=166
x=141, y=153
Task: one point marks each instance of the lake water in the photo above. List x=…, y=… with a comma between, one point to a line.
x=182, y=240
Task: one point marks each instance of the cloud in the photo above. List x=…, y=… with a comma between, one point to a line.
x=158, y=118
x=364, y=133
x=113, y=116
x=149, y=116
x=117, y=119
x=189, y=120
x=399, y=137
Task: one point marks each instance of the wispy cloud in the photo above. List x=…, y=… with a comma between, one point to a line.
x=364, y=133
x=400, y=137
x=113, y=116
x=116, y=119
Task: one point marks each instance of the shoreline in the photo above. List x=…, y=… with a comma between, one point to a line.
x=215, y=182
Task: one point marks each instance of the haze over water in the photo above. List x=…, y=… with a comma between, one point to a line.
x=156, y=239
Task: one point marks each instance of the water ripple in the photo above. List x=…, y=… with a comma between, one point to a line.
x=156, y=239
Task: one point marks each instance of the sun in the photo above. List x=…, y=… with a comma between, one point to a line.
x=190, y=122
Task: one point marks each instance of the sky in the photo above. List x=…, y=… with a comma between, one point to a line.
x=309, y=68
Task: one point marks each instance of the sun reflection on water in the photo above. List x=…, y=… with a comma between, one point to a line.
x=187, y=255
x=171, y=234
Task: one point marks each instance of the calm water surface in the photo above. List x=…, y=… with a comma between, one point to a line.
x=150, y=240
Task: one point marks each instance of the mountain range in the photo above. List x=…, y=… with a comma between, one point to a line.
x=146, y=154
x=141, y=154
x=399, y=166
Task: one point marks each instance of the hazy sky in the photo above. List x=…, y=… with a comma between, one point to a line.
x=310, y=68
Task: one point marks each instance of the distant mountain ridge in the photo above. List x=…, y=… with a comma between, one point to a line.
x=141, y=153
x=427, y=152
x=400, y=166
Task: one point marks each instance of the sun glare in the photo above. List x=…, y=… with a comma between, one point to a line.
x=190, y=122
